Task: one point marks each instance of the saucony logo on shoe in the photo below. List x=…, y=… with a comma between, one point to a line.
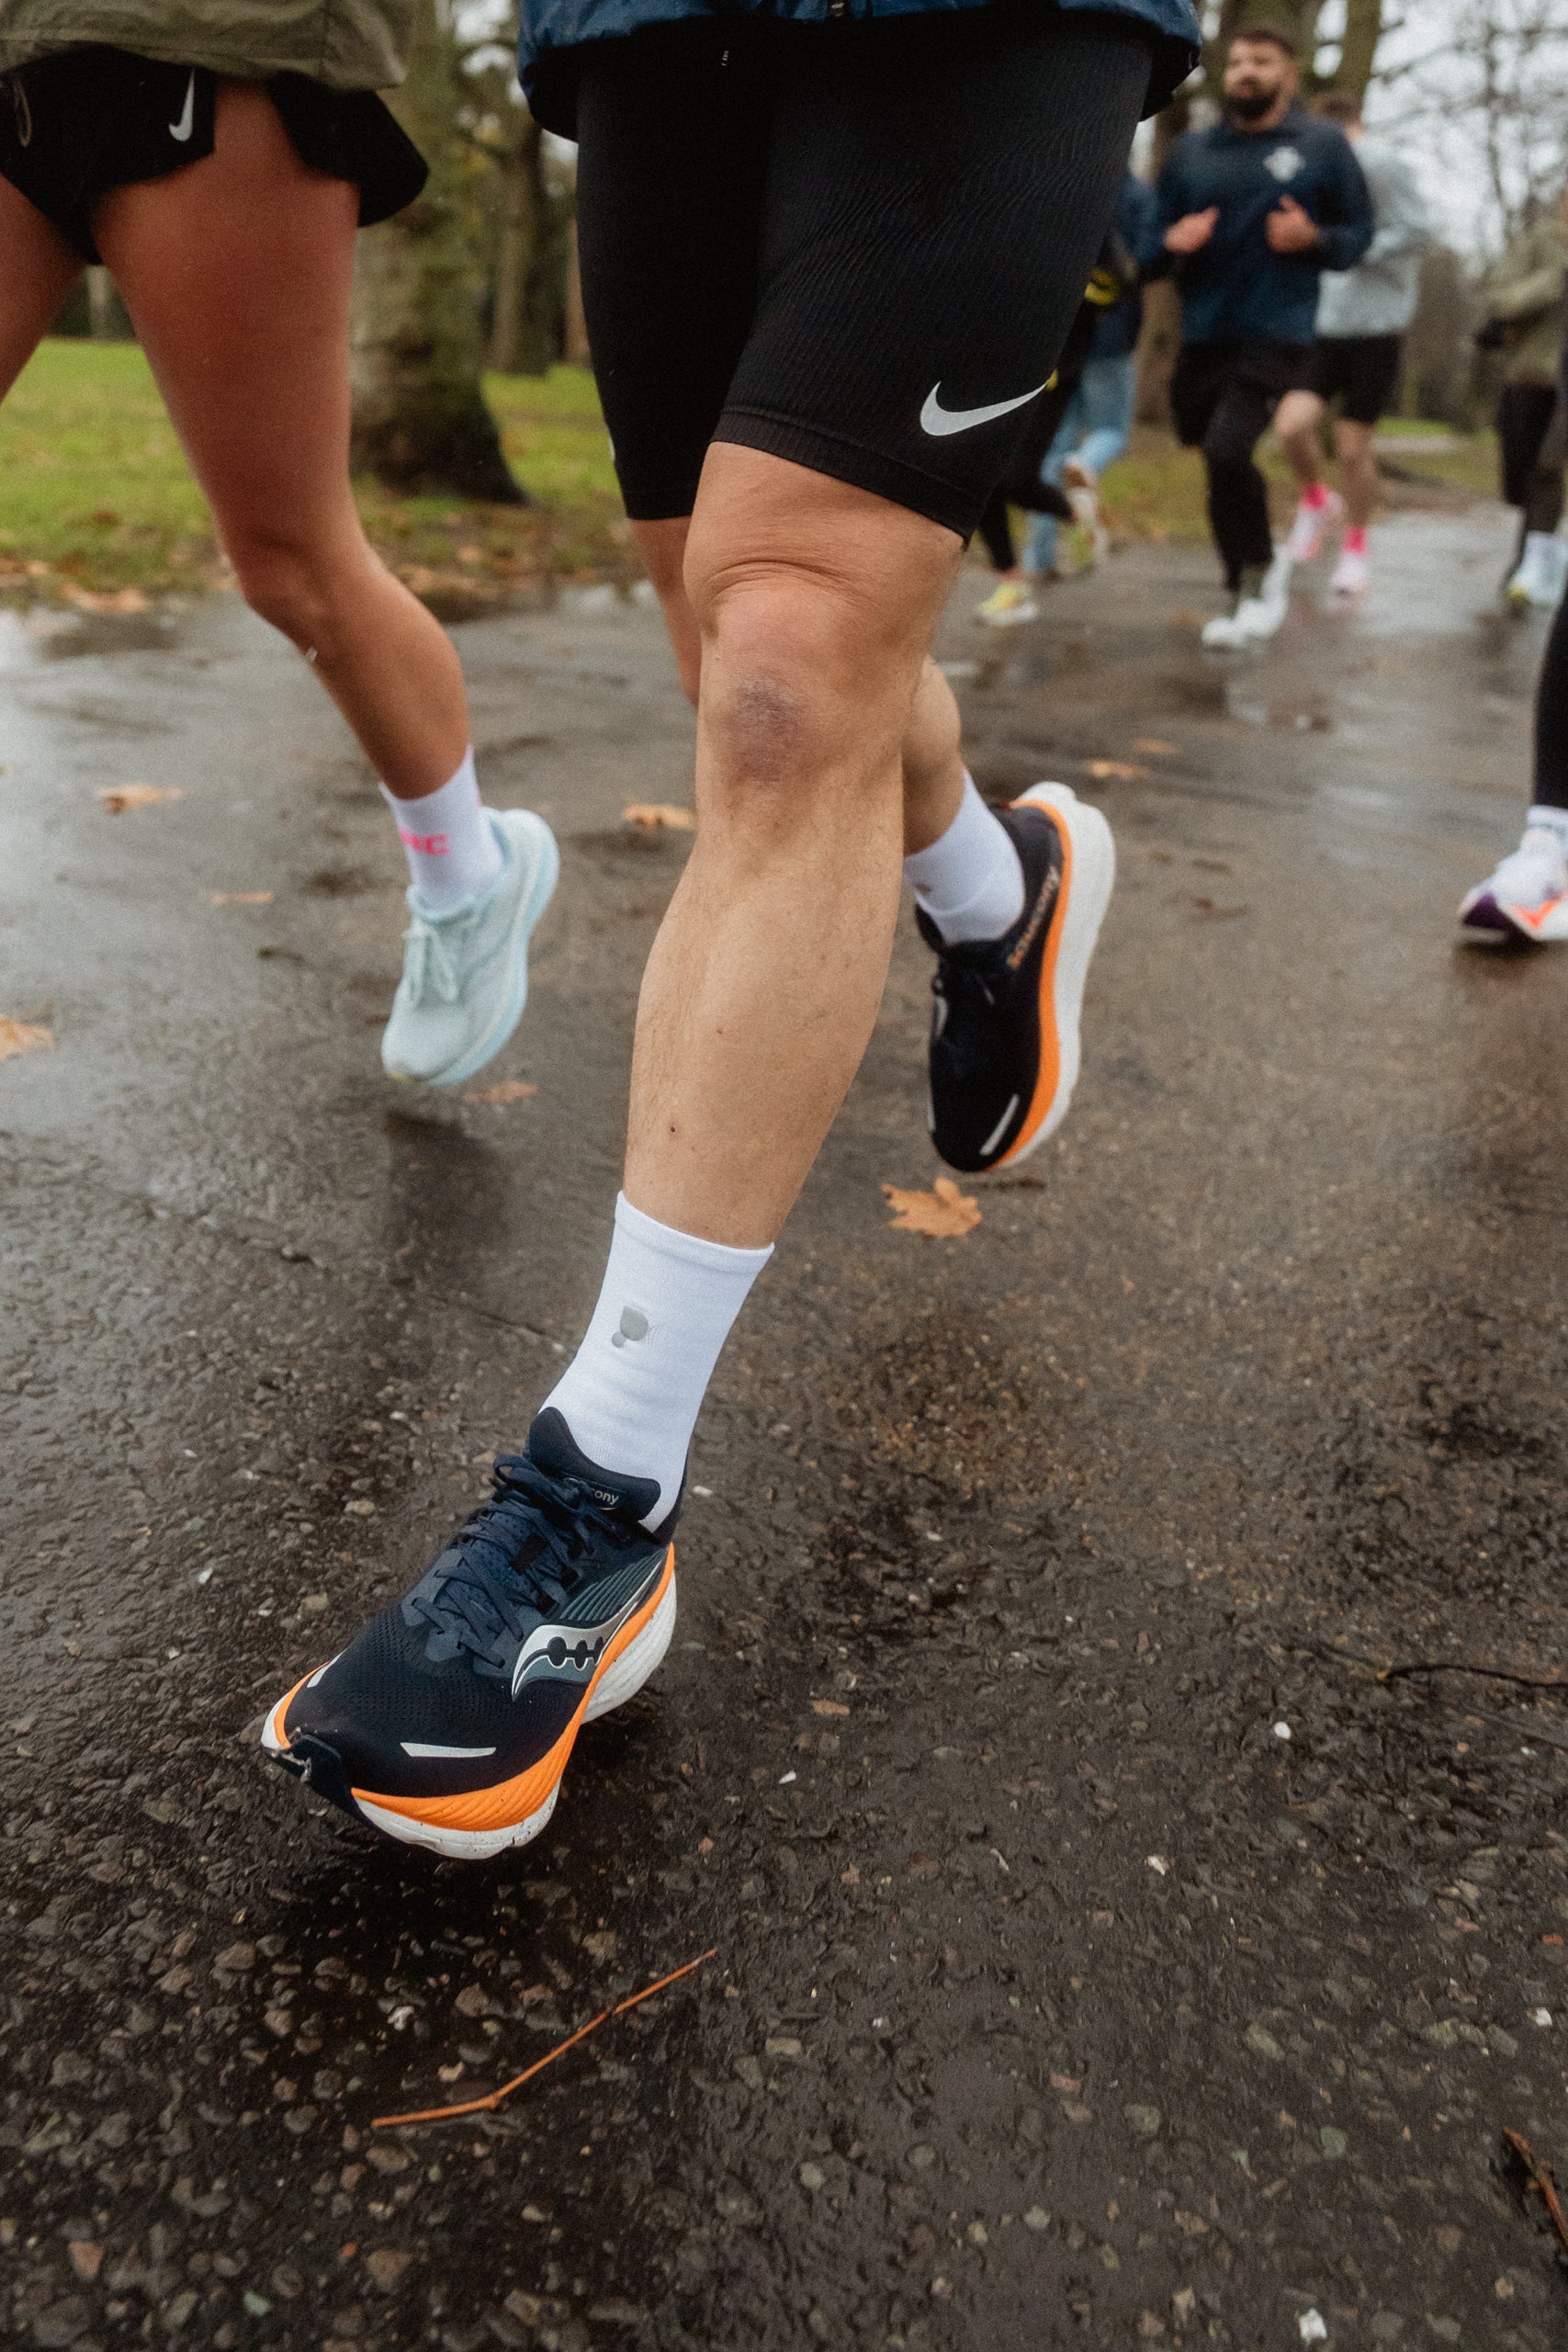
x=572, y=1651
x=1043, y=906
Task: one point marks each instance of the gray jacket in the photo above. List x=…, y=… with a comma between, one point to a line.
x=348, y=44
x=1378, y=297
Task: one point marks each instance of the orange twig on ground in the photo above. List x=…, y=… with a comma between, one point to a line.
x=492, y=2099
x=1540, y=2176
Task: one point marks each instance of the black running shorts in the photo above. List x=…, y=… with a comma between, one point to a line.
x=1360, y=371
x=1251, y=376
x=85, y=120
x=858, y=246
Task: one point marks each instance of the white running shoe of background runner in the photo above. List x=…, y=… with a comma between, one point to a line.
x=1256, y=619
x=1311, y=527
x=1352, y=574
x=1542, y=574
x=465, y=978
x=1526, y=897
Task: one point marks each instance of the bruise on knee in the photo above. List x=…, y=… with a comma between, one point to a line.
x=766, y=727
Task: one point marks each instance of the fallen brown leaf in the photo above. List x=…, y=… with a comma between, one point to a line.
x=23, y=1037
x=944, y=1214
x=244, y=898
x=829, y=1707
x=1154, y=747
x=1116, y=771
x=505, y=1090
x=118, y=798
x=112, y=600
x=653, y=814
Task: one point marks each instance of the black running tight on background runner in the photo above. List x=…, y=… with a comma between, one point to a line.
x=1551, y=717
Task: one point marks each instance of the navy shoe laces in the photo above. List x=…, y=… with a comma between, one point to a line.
x=518, y=1556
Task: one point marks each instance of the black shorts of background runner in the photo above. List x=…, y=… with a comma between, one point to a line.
x=86, y=120
x=1532, y=445
x=1360, y=371
x=858, y=246
x=1223, y=396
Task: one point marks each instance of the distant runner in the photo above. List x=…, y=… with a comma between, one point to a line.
x=1249, y=213
x=220, y=159
x=1085, y=432
x=1362, y=314
x=1527, y=897
x=1527, y=309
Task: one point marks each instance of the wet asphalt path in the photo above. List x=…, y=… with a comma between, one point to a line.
x=1106, y=1953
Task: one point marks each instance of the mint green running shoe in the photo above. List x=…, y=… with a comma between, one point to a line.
x=465, y=978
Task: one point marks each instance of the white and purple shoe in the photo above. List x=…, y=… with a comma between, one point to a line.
x=1526, y=897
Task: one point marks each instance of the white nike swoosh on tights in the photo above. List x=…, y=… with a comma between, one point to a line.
x=186, y=123
x=938, y=421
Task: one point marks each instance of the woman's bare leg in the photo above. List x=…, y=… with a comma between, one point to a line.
x=38, y=270
x=237, y=272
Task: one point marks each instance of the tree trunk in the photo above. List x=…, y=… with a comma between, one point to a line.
x=516, y=248
x=1363, y=31
x=420, y=418
x=577, y=350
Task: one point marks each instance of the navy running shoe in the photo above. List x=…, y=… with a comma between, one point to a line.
x=1004, y=1048
x=449, y=1720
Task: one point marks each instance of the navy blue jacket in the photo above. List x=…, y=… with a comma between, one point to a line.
x=1237, y=286
x=1118, y=330
x=548, y=27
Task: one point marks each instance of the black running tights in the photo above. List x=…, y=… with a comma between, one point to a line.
x=1529, y=442
x=1238, y=495
x=1551, y=717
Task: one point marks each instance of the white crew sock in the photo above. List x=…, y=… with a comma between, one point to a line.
x=631, y=1395
x=1543, y=817
x=970, y=882
x=448, y=839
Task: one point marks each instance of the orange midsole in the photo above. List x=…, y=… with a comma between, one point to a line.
x=1050, y=1044
x=513, y=1800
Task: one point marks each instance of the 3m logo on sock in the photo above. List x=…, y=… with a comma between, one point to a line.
x=429, y=844
x=634, y=1325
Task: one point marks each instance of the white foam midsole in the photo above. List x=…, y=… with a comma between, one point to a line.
x=621, y=1680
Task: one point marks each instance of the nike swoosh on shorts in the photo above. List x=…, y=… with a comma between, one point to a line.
x=939, y=421
x=186, y=123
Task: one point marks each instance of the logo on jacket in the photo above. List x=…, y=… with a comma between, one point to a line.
x=1285, y=162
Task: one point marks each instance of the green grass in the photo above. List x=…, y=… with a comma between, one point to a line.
x=95, y=498
x=95, y=495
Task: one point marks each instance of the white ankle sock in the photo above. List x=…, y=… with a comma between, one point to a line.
x=631, y=1395
x=448, y=839
x=970, y=882
x=1543, y=817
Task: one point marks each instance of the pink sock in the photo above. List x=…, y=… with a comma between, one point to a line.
x=1314, y=495
x=1356, y=539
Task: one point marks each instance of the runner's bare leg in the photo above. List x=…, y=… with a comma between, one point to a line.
x=38, y=271
x=815, y=603
x=933, y=748
x=237, y=271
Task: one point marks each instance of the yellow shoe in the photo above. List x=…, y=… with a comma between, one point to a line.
x=1010, y=602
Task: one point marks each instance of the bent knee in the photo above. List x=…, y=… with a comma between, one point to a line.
x=295, y=586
